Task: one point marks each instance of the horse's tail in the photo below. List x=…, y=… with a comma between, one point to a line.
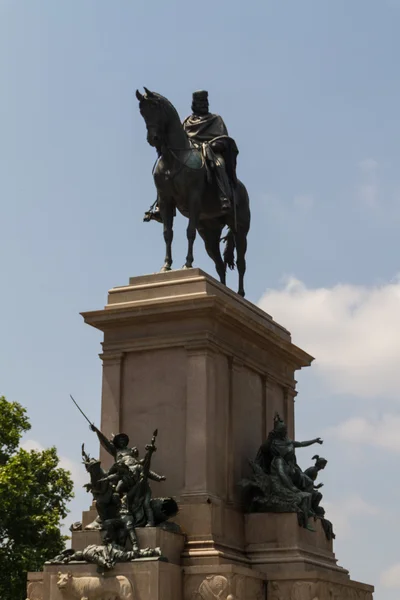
x=229, y=256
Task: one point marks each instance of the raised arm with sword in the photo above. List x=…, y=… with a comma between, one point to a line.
x=117, y=446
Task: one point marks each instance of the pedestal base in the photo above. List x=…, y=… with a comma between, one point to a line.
x=140, y=580
x=317, y=586
x=214, y=533
x=275, y=543
x=183, y=353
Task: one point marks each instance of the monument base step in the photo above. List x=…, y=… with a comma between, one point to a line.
x=152, y=579
x=147, y=579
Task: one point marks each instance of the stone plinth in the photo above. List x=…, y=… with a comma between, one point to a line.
x=183, y=353
x=275, y=543
x=186, y=355
x=140, y=580
x=214, y=533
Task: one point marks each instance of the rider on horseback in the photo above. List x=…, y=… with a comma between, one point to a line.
x=208, y=133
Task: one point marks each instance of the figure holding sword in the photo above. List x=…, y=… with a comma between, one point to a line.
x=140, y=471
x=117, y=446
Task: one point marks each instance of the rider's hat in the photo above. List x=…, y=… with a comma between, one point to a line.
x=120, y=437
x=201, y=95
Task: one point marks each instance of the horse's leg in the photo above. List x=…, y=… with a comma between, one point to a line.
x=194, y=213
x=241, y=247
x=243, y=218
x=167, y=215
x=211, y=237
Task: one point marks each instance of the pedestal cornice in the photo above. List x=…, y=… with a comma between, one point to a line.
x=182, y=295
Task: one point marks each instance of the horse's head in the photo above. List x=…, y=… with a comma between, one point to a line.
x=151, y=108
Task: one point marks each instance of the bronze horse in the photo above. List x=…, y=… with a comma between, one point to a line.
x=182, y=181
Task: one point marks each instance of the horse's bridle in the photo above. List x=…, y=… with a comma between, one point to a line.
x=172, y=151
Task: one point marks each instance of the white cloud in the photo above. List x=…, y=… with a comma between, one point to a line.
x=344, y=513
x=77, y=471
x=391, y=577
x=382, y=432
x=353, y=331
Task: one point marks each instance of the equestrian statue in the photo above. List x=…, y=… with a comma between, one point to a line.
x=196, y=173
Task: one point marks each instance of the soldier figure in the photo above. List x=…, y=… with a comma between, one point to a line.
x=118, y=446
x=129, y=473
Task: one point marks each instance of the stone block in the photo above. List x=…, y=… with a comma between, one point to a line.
x=214, y=533
x=223, y=582
x=140, y=580
x=316, y=585
x=276, y=543
x=35, y=586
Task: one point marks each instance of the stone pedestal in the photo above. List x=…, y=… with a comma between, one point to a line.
x=186, y=355
x=141, y=580
x=276, y=544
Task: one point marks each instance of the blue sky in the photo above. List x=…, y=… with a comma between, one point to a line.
x=310, y=92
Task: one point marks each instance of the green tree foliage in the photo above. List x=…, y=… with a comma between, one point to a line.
x=34, y=493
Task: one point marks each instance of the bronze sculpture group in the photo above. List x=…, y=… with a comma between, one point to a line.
x=278, y=484
x=196, y=173
x=123, y=500
x=123, y=497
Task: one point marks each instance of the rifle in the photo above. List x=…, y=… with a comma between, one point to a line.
x=147, y=459
x=139, y=490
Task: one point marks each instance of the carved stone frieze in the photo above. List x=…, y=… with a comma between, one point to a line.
x=305, y=590
x=275, y=591
x=35, y=590
x=94, y=588
x=214, y=587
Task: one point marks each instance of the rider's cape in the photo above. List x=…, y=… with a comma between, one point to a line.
x=205, y=129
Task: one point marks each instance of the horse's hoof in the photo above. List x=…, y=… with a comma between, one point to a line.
x=241, y=293
x=186, y=267
x=165, y=269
